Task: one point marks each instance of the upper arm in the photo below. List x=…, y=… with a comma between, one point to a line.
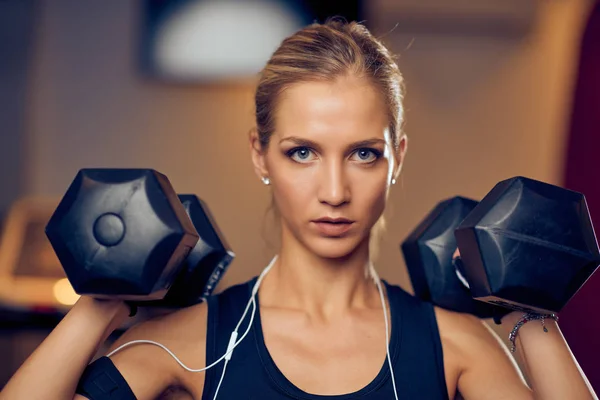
x=148, y=369
x=487, y=371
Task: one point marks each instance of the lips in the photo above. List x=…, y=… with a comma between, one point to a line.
x=333, y=226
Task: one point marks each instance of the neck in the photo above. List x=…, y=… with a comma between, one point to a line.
x=323, y=287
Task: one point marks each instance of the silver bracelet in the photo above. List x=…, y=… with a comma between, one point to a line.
x=512, y=336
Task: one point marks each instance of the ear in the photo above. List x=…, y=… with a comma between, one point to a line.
x=400, y=153
x=258, y=154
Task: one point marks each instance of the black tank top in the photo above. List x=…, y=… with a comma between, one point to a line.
x=415, y=349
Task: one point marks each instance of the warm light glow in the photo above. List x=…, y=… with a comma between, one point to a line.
x=225, y=38
x=64, y=293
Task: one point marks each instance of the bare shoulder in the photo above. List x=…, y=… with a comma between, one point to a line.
x=462, y=328
x=477, y=362
x=149, y=370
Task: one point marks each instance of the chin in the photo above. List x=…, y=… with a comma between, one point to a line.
x=333, y=247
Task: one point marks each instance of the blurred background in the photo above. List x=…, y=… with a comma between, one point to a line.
x=495, y=89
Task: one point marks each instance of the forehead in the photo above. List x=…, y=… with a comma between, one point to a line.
x=347, y=109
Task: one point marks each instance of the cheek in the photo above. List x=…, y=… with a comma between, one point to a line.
x=293, y=192
x=370, y=195
x=290, y=197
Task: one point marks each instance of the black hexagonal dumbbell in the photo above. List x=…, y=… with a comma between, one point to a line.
x=428, y=252
x=528, y=246
x=125, y=233
x=207, y=262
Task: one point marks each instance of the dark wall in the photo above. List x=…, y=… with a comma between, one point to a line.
x=579, y=320
x=16, y=35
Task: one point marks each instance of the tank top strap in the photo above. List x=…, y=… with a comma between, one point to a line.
x=415, y=349
x=224, y=311
x=420, y=367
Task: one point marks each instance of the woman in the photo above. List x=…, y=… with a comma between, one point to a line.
x=329, y=143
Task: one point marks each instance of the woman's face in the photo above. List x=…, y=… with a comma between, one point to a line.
x=330, y=161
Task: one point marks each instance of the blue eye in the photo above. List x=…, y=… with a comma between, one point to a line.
x=300, y=154
x=367, y=155
x=303, y=153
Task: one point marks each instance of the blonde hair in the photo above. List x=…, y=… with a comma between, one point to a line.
x=324, y=52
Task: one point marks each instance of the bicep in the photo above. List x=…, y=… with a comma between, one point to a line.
x=150, y=370
x=135, y=372
x=144, y=372
x=128, y=375
x=489, y=371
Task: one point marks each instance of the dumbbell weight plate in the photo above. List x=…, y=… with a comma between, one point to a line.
x=206, y=263
x=121, y=233
x=528, y=245
x=428, y=252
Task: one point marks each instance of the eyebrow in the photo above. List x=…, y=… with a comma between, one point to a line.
x=308, y=143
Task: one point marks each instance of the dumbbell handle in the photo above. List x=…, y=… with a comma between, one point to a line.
x=459, y=270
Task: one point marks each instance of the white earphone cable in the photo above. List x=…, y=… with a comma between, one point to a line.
x=234, y=342
x=387, y=335
x=230, y=348
x=234, y=333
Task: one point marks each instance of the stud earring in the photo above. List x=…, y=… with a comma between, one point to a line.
x=266, y=180
x=393, y=181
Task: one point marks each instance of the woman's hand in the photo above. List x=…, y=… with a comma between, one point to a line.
x=54, y=368
x=115, y=312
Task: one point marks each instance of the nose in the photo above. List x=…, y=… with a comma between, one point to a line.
x=333, y=187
